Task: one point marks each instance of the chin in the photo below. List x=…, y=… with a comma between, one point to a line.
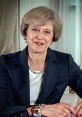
x=38, y=51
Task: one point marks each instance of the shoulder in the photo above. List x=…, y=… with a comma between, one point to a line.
x=60, y=56
x=9, y=57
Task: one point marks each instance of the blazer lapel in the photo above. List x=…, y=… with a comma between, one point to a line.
x=21, y=82
x=49, y=78
x=20, y=78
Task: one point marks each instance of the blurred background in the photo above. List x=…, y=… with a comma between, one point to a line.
x=70, y=12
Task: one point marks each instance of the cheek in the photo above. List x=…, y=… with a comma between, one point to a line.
x=28, y=37
x=50, y=40
x=48, y=43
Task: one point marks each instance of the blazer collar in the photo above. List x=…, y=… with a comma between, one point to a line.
x=22, y=60
x=49, y=77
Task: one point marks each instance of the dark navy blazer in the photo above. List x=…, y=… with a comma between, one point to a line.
x=61, y=71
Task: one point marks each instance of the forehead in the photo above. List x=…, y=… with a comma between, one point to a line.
x=43, y=25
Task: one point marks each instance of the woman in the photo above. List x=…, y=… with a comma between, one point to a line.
x=33, y=81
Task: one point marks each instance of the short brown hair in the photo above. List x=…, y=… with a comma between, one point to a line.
x=40, y=15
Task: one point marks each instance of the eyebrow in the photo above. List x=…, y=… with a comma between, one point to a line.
x=51, y=30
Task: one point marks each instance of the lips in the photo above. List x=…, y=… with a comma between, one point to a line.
x=39, y=43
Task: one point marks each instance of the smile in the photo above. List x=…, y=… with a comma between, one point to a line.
x=39, y=43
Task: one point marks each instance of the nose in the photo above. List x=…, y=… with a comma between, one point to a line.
x=40, y=35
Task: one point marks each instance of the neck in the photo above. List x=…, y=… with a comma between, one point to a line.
x=36, y=61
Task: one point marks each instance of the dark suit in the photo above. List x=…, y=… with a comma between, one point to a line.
x=60, y=71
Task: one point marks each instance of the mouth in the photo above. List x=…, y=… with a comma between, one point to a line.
x=39, y=43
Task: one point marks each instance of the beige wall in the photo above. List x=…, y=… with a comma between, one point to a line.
x=8, y=26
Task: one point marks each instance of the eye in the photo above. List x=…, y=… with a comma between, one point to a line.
x=35, y=29
x=47, y=32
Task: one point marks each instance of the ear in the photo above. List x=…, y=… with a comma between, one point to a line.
x=25, y=38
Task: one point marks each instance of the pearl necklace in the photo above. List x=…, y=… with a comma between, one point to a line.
x=36, y=72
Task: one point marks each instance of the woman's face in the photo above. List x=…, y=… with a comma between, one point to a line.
x=39, y=37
